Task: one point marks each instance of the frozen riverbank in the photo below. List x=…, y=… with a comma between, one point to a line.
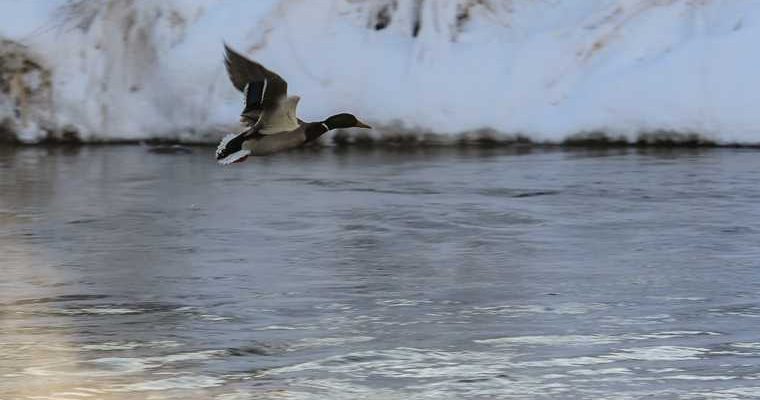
x=546, y=72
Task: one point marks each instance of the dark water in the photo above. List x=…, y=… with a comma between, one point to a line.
x=377, y=275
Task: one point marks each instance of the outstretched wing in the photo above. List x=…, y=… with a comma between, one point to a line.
x=262, y=88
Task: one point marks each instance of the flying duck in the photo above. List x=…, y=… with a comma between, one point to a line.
x=269, y=117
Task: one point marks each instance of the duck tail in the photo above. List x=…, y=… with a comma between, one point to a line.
x=237, y=156
x=231, y=150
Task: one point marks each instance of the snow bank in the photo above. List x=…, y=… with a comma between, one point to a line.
x=546, y=70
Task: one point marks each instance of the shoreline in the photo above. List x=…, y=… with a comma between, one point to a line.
x=398, y=142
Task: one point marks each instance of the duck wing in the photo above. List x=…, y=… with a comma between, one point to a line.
x=264, y=90
x=279, y=120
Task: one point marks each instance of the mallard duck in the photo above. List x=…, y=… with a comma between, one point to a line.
x=269, y=117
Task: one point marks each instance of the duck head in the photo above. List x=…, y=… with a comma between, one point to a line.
x=345, y=120
x=337, y=121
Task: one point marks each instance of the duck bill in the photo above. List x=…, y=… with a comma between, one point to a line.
x=360, y=124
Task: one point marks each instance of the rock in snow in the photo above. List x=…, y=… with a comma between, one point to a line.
x=545, y=70
x=25, y=92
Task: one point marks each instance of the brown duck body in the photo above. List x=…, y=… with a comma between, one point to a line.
x=264, y=145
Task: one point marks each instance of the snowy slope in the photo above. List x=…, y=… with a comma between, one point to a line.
x=546, y=69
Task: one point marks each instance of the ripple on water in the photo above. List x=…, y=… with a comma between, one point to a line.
x=498, y=371
x=117, y=309
x=119, y=346
x=740, y=310
x=589, y=340
x=516, y=193
x=653, y=353
x=117, y=366
x=286, y=327
x=551, y=340
x=176, y=383
x=521, y=309
x=405, y=362
x=308, y=343
x=402, y=302
x=747, y=345
x=60, y=299
x=99, y=311
x=128, y=309
x=101, y=367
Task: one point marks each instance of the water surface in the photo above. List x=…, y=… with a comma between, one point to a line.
x=436, y=274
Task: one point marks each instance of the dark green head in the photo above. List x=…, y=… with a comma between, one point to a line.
x=341, y=121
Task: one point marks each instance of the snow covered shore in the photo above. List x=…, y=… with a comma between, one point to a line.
x=544, y=70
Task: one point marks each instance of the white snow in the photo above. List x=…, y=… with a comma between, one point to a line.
x=543, y=69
